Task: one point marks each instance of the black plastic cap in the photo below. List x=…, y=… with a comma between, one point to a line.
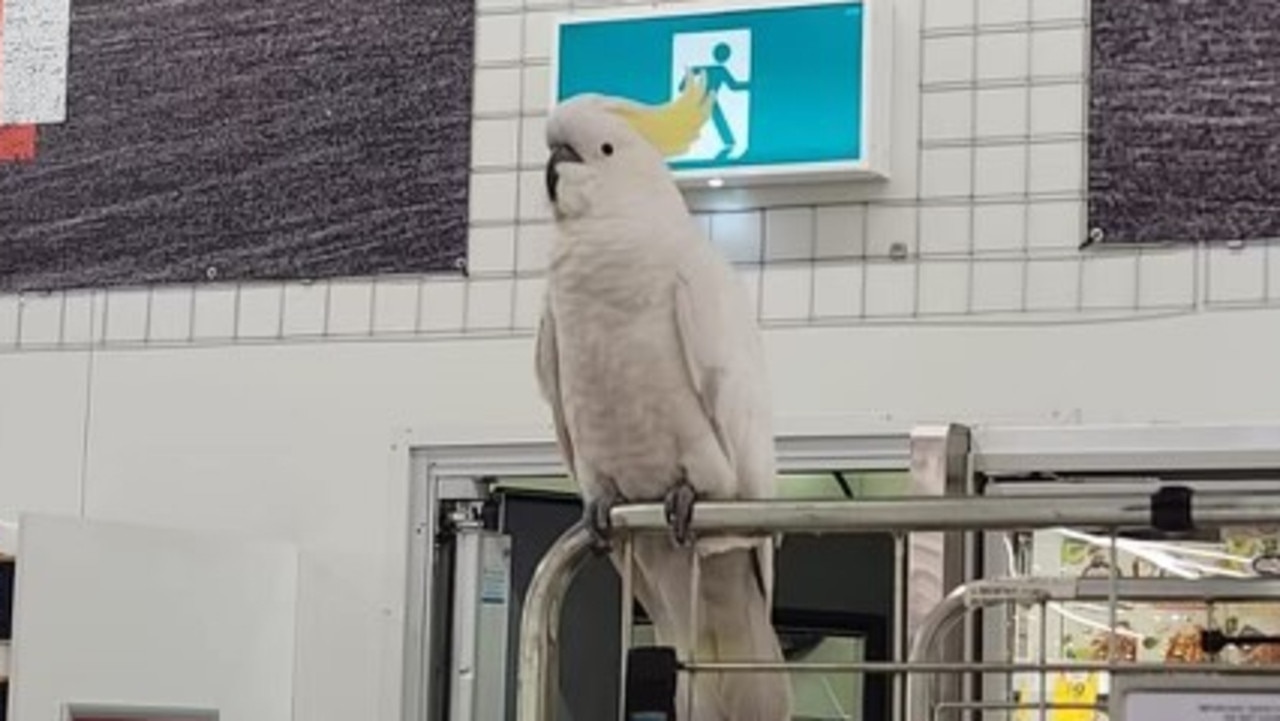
x=1171, y=510
x=651, y=681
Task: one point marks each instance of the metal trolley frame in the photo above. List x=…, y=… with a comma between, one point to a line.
x=936, y=673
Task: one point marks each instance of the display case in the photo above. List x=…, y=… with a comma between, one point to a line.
x=1061, y=634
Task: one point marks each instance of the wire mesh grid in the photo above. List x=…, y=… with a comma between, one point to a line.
x=983, y=222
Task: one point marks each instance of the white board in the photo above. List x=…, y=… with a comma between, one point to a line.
x=108, y=613
x=34, y=52
x=1192, y=697
x=1202, y=706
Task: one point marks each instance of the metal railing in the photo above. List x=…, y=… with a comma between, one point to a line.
x=539, y=633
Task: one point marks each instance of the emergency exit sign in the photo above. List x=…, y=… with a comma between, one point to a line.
x=800, y=88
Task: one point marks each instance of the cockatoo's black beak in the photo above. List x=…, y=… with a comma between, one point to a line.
x=559, y=154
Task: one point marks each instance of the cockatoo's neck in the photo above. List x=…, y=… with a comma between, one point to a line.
x=654, y=202
x=633, y=237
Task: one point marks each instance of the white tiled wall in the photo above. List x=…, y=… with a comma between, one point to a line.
x=983, y=218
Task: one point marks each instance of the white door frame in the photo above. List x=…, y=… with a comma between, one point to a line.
x=426, y=473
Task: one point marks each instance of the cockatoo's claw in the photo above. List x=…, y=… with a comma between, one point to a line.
x=599, y=523
x=679, y=511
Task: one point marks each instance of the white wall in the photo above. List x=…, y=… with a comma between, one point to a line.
x=263, y=413
x=120, y=615
x=293, y=441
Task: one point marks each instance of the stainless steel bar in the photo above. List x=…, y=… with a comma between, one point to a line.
x=943, y=514
x=1211, y=624
x=1014, y=705
x=540, y=624
x=944, y=706
x=1042, y=655
x=695, y=631
x=899, y=704
x=628, y=621
x=1113, y=595
x=1030, y=590
x=925, y=668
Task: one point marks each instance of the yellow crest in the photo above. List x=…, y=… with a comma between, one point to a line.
x=673, y=127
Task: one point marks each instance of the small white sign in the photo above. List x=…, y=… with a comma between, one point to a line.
x=34, y=50
x=1202, y=706
x=495, y=573
x=1202, y=697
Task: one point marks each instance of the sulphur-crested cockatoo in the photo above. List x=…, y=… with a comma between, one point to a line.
x=651, y=360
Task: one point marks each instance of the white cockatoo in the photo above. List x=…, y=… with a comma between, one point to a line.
x=650, y=357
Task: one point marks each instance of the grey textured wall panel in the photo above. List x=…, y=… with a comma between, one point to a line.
x=282, y=139
x=1184, y=128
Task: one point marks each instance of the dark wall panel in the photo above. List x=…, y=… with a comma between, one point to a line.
x=241, y=139
x=1184, y=120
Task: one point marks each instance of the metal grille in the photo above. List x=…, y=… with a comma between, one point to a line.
x=930, y=684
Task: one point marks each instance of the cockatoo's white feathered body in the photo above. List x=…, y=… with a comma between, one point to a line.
x=651, y=360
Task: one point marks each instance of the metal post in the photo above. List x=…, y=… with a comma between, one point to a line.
x=939, y=467
x=627, y=630
x=898, y=702
x=937, y=562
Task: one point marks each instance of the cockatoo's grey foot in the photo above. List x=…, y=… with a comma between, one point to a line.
x=599, y=523
x=678, y=505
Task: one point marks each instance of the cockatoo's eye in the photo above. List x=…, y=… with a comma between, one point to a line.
x=607, y=149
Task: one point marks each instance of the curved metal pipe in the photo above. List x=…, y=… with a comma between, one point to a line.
x=537, y=676
x=936, y=622
x=934, y=625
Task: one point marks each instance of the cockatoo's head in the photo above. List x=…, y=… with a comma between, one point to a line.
x=606, y=152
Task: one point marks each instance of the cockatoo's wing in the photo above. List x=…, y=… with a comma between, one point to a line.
x=724, y=356
x=548, y=372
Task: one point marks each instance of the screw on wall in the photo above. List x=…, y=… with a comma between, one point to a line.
x=1096, y=235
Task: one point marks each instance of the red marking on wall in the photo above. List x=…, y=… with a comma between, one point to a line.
x=17, y=142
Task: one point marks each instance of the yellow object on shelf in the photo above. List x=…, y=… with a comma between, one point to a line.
x=1068, y=688
x=1074, y=689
